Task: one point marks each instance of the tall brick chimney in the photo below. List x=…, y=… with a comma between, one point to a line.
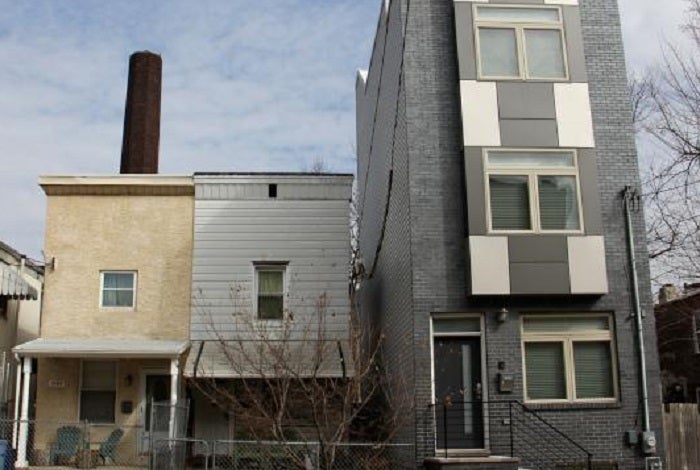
x=142, y=114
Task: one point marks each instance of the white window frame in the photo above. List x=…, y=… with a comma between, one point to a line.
x=519, y=27
x=533, y=192
x=134, y=289
x=116, y=387
x=567, y=339
x=277, y=267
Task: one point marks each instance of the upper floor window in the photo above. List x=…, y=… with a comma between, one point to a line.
x=568, y=358
x=517, y=42
x=532, y=191
x=269, y=280
x=118, y=289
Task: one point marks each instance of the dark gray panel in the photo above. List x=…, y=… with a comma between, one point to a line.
x=466, y=54
x=537, y=249
x=590, y=196
x=574, y=44
x=476, y=199
x=529, y=133
x=526, y=100
x=539, y=278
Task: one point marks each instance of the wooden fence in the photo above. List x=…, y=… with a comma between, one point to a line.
x=682, y=436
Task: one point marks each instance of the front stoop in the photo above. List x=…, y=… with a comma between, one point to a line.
x=492, y=462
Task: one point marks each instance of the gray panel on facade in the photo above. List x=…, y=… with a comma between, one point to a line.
x=526, y=100
x=537, y=249
x=574, y=44
x=590, y=195
x=539, y=278
x=476, y=200
x=466, y=54
x=529, y=133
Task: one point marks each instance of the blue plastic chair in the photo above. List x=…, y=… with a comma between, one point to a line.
x=66, y=445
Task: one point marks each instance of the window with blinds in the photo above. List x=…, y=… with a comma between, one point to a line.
x=568, y=358
x=533, y=191
x=520, y=42
x=270, y=292
x=98, y=391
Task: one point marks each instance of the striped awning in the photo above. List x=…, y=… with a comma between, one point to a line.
x=13, y=286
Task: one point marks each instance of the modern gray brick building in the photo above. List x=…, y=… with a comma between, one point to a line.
x=494, y=144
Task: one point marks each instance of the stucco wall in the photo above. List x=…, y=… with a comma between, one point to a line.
x=149, y=234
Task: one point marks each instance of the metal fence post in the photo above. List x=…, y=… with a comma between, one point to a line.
x=510, y=425
x=444, y=427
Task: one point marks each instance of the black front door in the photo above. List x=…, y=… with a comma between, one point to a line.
x=458, y=393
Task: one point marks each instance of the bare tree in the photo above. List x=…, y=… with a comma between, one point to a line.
x=303, y=380
x=666, y=108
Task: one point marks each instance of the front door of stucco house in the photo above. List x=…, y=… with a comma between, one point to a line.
x=155, y=388
x=458, y=385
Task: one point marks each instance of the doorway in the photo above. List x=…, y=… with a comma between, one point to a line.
x=155, y=388
x=458, y=384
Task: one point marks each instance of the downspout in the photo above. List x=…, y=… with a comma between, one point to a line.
x=631, y=199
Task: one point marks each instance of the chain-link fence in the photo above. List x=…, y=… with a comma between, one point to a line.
x=55, y=444
x=76, y=444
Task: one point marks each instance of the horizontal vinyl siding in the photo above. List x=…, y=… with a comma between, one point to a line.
x=312, y=236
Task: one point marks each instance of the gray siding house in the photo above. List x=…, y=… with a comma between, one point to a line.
x=271, y=260
x=494, y=144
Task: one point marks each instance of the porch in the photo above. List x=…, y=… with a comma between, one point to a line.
x=91, y=394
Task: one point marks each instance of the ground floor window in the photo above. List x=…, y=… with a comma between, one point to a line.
x=569, y=358
x=98, y=391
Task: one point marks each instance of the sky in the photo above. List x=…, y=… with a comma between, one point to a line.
x=247, y=86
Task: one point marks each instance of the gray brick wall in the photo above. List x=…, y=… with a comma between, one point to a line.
x=421, y=268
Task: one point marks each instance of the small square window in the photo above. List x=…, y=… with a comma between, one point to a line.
x=520, y=43
x=118, y=289
x=270, y=285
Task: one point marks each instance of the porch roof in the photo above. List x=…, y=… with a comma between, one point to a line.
x=111, y=348
x=269, y=358
x=12, y=285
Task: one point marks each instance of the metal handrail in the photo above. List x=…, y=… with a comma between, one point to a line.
x=493, y=408
x=553, y=428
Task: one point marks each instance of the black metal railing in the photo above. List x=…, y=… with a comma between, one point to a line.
x=506, y=428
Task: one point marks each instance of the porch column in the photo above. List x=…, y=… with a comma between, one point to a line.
x=18, y=396
x=24, y=424
x=174, y=388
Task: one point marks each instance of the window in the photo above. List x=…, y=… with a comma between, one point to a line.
x=532, y=191
x=568, y=358
x=520, y=43
x=270, y=291
x=98, y=391
x=118, y=289
x=3, y=306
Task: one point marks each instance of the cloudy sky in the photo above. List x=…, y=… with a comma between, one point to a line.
x=247, y=85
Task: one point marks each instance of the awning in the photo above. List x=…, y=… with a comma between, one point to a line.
x=102, y=348
x=12, y=285
x=269, y=358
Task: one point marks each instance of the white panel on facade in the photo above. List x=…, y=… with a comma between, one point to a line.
x=489, y=265
x=561, y=2
x=480, y=114
x=573, y=109
x=587, y=265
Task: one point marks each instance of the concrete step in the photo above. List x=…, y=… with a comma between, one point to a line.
x=472, y=462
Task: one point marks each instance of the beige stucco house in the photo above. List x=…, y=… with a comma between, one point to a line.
x=115, y=324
